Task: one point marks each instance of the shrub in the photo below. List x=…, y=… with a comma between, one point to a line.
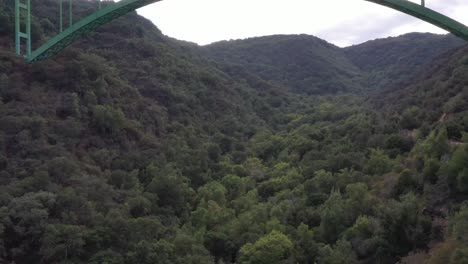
x=108, y=120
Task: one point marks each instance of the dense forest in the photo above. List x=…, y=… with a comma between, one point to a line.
x=133, y=147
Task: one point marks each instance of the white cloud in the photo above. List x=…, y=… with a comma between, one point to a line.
x=343, y=22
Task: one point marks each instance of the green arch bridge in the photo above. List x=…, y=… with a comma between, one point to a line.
x=115, y=10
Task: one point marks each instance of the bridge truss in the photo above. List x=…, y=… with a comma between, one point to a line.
x=112, y=11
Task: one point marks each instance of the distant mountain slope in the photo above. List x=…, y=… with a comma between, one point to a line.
x=438, y=95
x=390, y=61
x=310, y=65
x=304, y=63
x=130, y=147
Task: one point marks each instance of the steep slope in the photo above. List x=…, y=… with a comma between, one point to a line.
x=438, y=95
x=394, y=60
x=432, y=110
x=104, y=146
x=303, y=63
x=310, y=65
x=129, y=147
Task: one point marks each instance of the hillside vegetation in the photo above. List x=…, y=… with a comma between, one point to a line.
x=395, y=61
x=302, y=63
x=132, y=147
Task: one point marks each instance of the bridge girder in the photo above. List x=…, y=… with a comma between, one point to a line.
x=426, y=14
x=113, y=11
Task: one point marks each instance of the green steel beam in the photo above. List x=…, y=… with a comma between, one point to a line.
x=18, y=33
x=84, y=26
x=17, y=28
x=28, y=28
x=61, y=15
x=426, y=14
x=70, y=13
x=113, y=11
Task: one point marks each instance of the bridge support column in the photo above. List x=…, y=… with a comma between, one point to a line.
x=21, y=35
x=70, y=12
x=61, y=14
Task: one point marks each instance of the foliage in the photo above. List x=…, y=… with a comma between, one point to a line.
x=274, y=248
x=107, y=120
x=131, y=147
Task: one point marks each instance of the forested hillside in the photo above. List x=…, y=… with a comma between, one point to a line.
x=395, y=61
x=306, y=64
x=132, y=147
x=302, y=63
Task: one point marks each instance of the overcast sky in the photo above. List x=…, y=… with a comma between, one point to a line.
x=342, y=22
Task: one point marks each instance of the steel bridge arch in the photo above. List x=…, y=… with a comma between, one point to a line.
x=113, y=11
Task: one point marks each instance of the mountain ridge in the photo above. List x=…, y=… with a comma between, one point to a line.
x=132, y=147
x=397, y=56
x=282, y=59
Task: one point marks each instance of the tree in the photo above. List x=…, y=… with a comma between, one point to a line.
x=255, y=169
x=379, y=163
x=325, y=181
x=436, y=144
x=406, y=183
x=108, y=120
x=431, y=167
x=327, y=111
x=139, y=206
x=70, y=106
x=62, y=169
x=190, y=251
x=410, y=119
x=171, y=188
x=274, y=248
x=364, y=236
x=360, y=201
x=341, y=253
x=124, y=180
x=7, y=23
x=333, y=214
x=307, y=247
x=457, y=170
x=399, y=143
x=28, y=216
x=235, y=186
x=220, y=244
x=108, y=257
x=405, y=226
x=146, y=252
x=213, y=191
x=62, y=242
x=462, y=180
x=459, y=225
